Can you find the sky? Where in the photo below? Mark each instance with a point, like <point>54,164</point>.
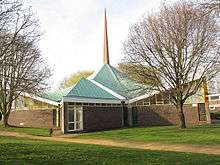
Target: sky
<point>73,31</point>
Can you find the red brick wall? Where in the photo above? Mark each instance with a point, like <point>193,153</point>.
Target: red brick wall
<point>165,115</point>
<point>101,118</point>
<point>32,118</point>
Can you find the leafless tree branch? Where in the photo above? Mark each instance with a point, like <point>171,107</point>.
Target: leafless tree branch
<point>178,45</point>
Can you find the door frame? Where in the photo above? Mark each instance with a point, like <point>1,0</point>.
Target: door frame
<point>202,112</point>
<point>75,109</point>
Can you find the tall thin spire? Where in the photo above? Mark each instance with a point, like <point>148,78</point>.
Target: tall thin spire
<point>105,49</point>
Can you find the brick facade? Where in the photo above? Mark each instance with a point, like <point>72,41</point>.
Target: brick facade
<point>101,118</point>
<point>165,115</point>
<point>32,118</point>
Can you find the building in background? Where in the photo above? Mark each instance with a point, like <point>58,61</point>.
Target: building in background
<point>214,107</point>
<point>214,102</point>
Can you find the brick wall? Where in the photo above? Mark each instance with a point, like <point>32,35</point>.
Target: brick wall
<point>32,118</point>
<point>165,115</point>
<point>101,118</point>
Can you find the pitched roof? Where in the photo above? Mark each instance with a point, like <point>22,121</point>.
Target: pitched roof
<point>87,89</point>
<point>115,80</point>
<point>56,95</point>
<point>107,76</point>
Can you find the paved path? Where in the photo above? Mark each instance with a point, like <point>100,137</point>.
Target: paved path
<point>206,149</point>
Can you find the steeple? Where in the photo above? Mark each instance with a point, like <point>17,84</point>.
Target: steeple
<point>105,49</point>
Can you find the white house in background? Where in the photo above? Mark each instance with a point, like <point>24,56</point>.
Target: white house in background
<point>214,102</point>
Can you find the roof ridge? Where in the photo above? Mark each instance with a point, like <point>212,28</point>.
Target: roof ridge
<point>73,86</point>
<point>124,86</point>
<point>95,73</point>
<point>113,80</point>
<point>89,89</point>
<point>127,77</point>
<point>108,90</point>
<point>114,75</point>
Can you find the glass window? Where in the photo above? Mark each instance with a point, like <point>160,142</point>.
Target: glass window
<point>78,125</point>
<point>78,115</point>
<point>214,97</point>
<point>71,126</point>
<point>153,99</point>
<point>146,103</point>
<point>78,103</point>
<point>71,115</point>
<point>98,104</point>
<point>20,104</point>
<point>75,114</point>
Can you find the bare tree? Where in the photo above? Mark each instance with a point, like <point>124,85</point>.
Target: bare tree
<point>181,47</point>
<point>212,5</point>
<point>22,67</point>
<point>131,70</point>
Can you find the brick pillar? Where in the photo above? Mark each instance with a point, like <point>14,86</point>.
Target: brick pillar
<point>130,117</point>
<point>64,119</point>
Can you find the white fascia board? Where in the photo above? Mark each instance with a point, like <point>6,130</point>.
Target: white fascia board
<point>40,99</point>
<point>214,105</point>
<point>214,95</point>
<point>89,100</point>
<point>142,97</point>
<point>108,90</point>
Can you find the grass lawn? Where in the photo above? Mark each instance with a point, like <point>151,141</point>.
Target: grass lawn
<point>204,134</point>
<point>31,131</point>
<point>23,151</point>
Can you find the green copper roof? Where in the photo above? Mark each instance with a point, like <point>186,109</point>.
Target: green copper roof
<point>109,77</point>
<point>56,95</point>
<point>87,89</point>
<point>118,82</point>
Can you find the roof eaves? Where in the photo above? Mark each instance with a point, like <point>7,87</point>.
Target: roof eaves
<point>48,101</point>
<point>143,97</point>
<point>90,100</point>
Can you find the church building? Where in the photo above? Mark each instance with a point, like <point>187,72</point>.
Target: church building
<point>108,99</point>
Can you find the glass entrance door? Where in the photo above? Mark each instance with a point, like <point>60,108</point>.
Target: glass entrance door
<point>75,117</point>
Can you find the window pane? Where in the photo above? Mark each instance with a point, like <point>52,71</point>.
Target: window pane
<point>78,125</point>
<point>78,115</point>
<point>214,97</point>
<point>78,108</point>
<point>153,100</point>
<point>71,116</point>
<point>71,126</point>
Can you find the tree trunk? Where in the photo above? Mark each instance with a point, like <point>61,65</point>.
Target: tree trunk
<point>181,116</point>
<point>5,119</point>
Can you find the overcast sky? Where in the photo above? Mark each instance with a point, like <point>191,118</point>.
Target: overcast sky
<point>73,31</point>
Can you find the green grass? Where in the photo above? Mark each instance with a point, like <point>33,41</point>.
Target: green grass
<point>23,151</point>
<point>204,134</point>
<point>31,131</point>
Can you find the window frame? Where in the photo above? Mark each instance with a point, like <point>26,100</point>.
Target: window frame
<point>75,122</point>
